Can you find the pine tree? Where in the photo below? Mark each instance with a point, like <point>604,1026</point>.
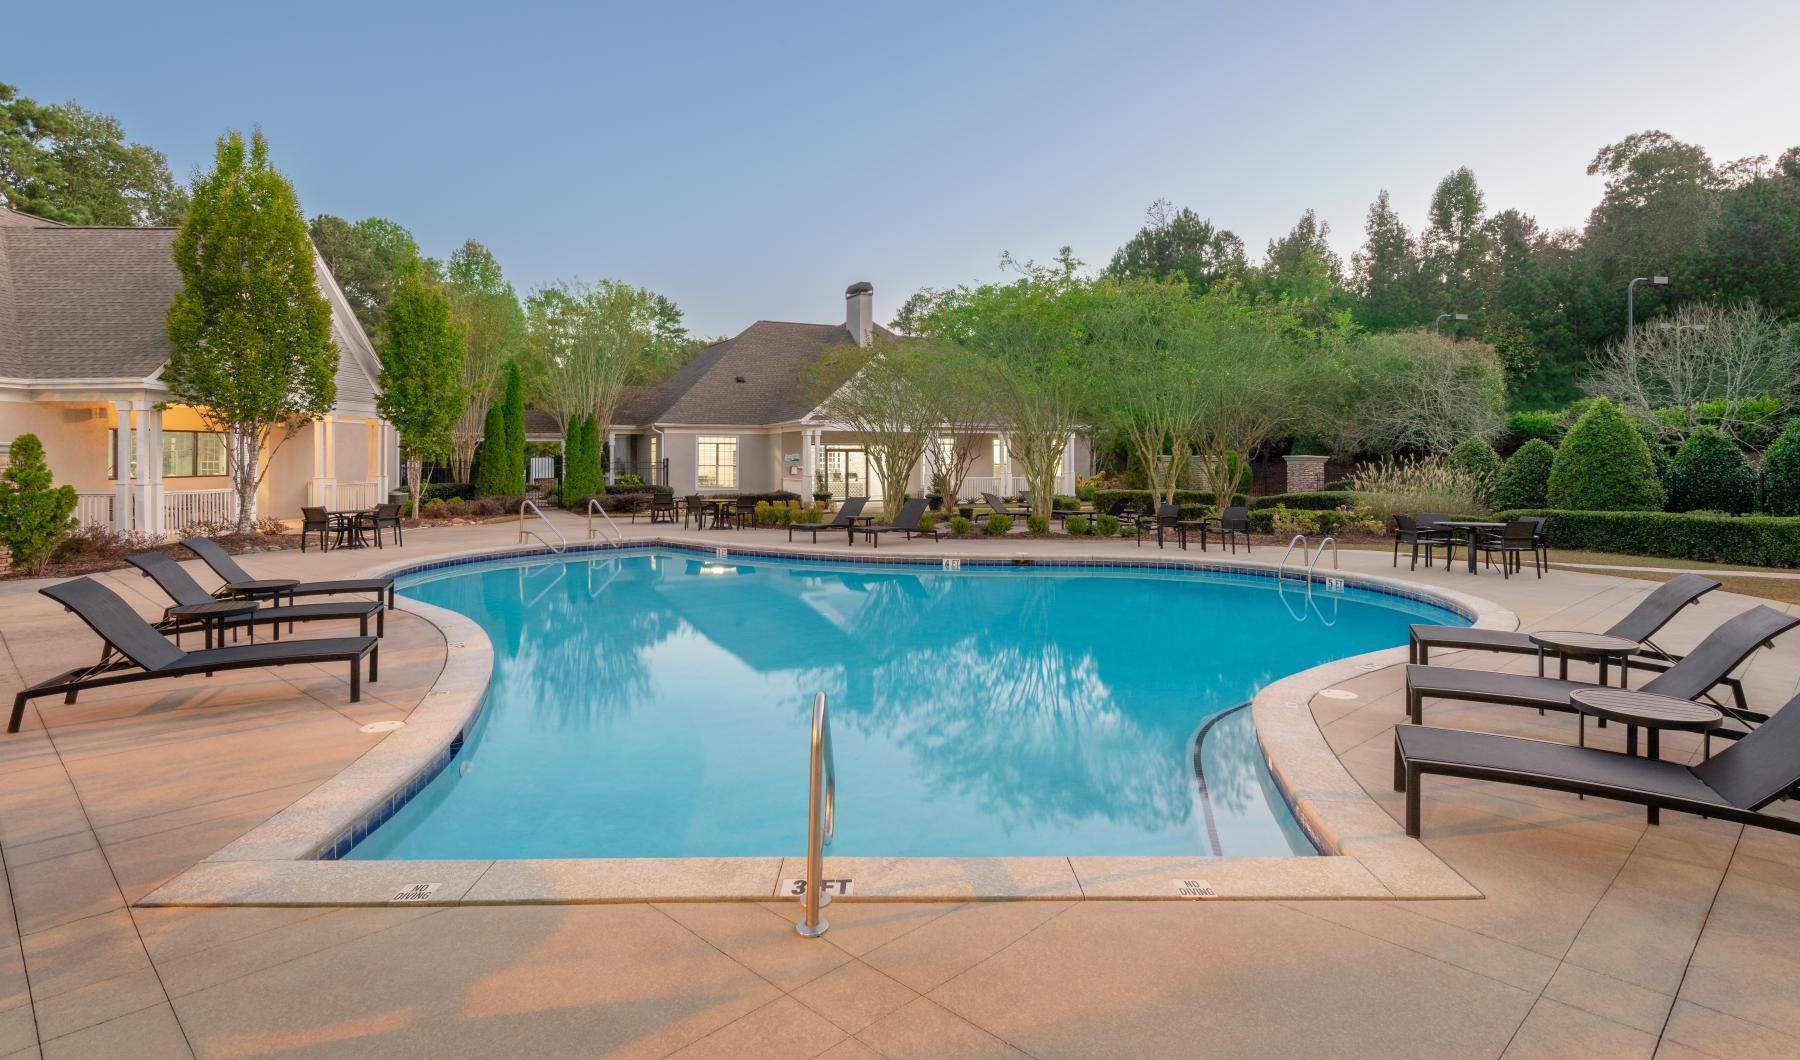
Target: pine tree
<point>34,514</point>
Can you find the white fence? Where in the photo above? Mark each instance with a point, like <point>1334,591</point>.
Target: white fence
<point>355,496</point>
<point>182,509</point>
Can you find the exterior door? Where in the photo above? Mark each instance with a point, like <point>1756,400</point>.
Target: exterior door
<point>847,474</point>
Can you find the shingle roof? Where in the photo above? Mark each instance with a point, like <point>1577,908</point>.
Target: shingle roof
<point>93,303</point>
<point>753,379</point>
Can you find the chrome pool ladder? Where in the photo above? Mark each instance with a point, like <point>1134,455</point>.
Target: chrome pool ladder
<point>1300,539</point>
<point>525,531</point>
<point>821,820</point>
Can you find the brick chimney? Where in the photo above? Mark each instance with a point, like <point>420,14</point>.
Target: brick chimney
<point>859,312</point>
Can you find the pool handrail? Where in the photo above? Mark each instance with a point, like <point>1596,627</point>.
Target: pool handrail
<point>1317,556</point>
<point>595,506</point>
<point>530,504</point>
<point>821,819</point>
<point>1281,568</point>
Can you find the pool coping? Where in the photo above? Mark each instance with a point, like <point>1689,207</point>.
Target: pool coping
<point>290,859</point>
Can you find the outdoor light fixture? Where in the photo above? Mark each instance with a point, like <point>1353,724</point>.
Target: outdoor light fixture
<point>1437,324</point>
<point>1630,308</point>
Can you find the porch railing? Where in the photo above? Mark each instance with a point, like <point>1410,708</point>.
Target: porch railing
<point>355,495</point>
<point>183,509</point>
<point>654,472</point>
<point>94,509</point>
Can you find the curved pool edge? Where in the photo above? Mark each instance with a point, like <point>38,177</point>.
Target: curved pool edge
<point>292,859</point>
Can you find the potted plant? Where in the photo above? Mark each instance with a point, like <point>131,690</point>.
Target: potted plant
<point>821,490</point>
<point>934,497</point>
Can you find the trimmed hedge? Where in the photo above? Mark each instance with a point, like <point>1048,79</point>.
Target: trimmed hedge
<point>1781,473</point>
<point>1603,465</point>
<point>1709,474</point>
<point>1104,500</point>
<point>1476,459</point>
<point>1326,501</point>
<point>1524,480</point>
<point>1756,540</point>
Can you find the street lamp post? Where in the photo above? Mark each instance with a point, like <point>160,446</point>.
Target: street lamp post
<point>1437,325</point>
<point>1631,308</point>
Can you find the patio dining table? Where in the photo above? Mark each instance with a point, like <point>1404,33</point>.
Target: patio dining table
<point>347,523</point>
<point>1473,528</point>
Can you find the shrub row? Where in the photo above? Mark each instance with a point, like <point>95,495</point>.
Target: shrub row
<point>1326,501</point>
<point>1106,500</point>
<point>1758,540</point>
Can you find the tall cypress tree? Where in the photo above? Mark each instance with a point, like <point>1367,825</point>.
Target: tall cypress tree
<point>514,414</point>
<point>491,458</point>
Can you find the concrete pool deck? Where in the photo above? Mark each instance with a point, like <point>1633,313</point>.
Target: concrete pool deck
<point>1593,935</point>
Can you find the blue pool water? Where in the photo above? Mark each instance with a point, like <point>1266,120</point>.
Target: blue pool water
<point>657,704</point>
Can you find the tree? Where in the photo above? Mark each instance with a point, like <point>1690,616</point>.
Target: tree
<point>35,515</point>
<point>1178,244</point>
<point>1709,473</point>
<point>249,333</point>
<point>588,342</point>
<point>875,391</point>
<point>582,474</point>
<point>66,163</point>
<point>960,398</point>
<point>1413,390</point>
<point>1454,245</point>
<point>421,373</point>
<point>491,476</point>
<point>1661,196</point>
<point>1781,473</point>
<point>512,416</point>
<point>1385,272</point>
<point>1524,481</point>
<point>1475,458</point>
<point>1148,350</point>
<point>1603,465</point>
<point>1708,363</point>
<point>1026,337</point>
<point>1301,266</point>
<point>493,324</point>
<point>368,259</point>
<point>1251,379</point>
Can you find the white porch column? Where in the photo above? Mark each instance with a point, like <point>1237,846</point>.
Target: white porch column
<point>809,461</point>
<point>122,465</point>
<point>152,473</point>
<point>1067,487</point>
<point>612,455</point>
<point>1004,471</point>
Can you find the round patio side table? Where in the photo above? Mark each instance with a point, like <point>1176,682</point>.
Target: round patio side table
<point>1570,642</point>
<point>1655,713</point>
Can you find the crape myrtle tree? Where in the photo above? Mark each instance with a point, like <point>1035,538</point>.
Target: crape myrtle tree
<point>1028,335</point>
<point>1253,376</point>
<point>250,335</point>
<point>587,343</point>
<point>493,326</point>
<point>1704,365</point>
<point>421,372</point>
<point>1145,343</point>
<point>960,396</point>
<point>877,392</point>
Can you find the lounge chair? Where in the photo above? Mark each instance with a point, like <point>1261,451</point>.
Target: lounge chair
<point>1707,665</point>
<point>1650,615</point>
<point>1732,785</point>
<point>844,519</point>
<point>135,651</point>
<point>184,590</point>
<point>1001,508</point>
<point>907,522</point>
<point>239,583</point>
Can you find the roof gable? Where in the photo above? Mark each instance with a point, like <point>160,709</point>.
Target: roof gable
<point>752,379</point>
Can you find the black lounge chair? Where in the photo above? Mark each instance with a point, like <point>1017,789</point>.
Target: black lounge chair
<point>135,651</point>
<point>239,583</point>
<point>1707,665</point>
<point>907,522</point>
<point>1733,785</point>
<point>1650,615</point>
<point>184,590</point>
<point>844,519</point>
<point>1001,508</point>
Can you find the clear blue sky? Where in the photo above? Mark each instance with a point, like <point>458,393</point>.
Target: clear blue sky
<point>749,160</point>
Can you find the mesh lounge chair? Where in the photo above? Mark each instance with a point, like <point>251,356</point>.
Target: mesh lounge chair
<point>1732,785</point>
<point>184,590</point>
<point>135,651</point>
<point>907,522</point>
<point>1651,614</point>
<point>844,519</point>
<point>1707,665</point>
<point>239,583</point>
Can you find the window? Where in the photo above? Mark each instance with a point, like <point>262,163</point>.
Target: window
<point>185,454</point>
<point>717,462</point>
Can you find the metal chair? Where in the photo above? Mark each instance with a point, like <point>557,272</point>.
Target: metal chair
<point>1407,531</point>
<point>316,521</point>
<point>1234,523</point>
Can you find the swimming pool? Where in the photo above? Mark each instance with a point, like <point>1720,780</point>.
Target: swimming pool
<point>656,703</point>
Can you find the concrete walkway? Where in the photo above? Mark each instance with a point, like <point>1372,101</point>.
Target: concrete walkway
<point>1598,936</point>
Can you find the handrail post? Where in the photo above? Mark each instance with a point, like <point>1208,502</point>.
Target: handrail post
<point>528,504</point>
<point>821,813</point>
<point>595,506</point>
<point>1298,539</point>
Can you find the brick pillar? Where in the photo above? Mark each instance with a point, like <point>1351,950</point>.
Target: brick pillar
<point>1305,474</point>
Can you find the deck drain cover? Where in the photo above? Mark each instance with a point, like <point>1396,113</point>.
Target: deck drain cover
<point>1369,667</point>
<point>383,726</point>
<point>1338,693</point>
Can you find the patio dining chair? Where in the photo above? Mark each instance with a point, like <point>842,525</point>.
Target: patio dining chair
<point>381,517</point>
<point>662,508</point>
<point>693,505</point>
<point>1234,525</point>
<point>316,521</point>
<point>1407,531</point>
<point>1511,544</point>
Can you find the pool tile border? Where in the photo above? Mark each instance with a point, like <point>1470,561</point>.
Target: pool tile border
<point>1368,855</point>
